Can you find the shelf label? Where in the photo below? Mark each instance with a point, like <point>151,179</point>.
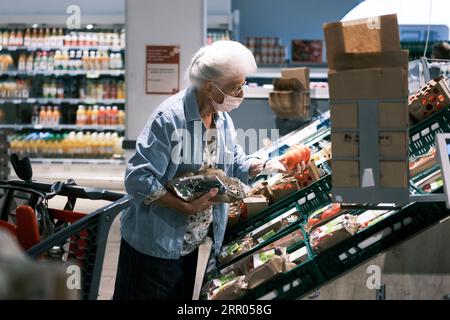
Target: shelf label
<point>38,126</point>
<point>2,101</point>
<point>12,48</point>
<point>92,74</point>
<point>17,101</point>
<point>31,100</point>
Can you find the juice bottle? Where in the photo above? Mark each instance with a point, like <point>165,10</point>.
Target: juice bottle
<point>56,116</point>
<point>49,117</point>
<point>22,65</point>
<point>89,116</point>
<point>115,116</point>
<point>94,116</point>
<point>102,116</point>
<point>19,38</point>
<point>51,61</point>
<point>35,115</point>
<point>27,38</point>
<point>108,116</point>
<point>121,117</point>
<point>81,116</point>
<point>30,62</point>
<point>42,116</point>
<point>12,38</point>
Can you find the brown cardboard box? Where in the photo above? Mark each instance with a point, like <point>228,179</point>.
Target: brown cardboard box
<point>345,174</point>
<point>390,144</point>
<point>301,74</point>
<point>346,61</point>
<point>255,204</point>
<point>393,144</point>
<point>265,272</point>
<point>393,115</point>
<point>344,116</point>
<point>373,83</point>
<point>393,174</point>
<point>370,35</point>
<point>390,115</point>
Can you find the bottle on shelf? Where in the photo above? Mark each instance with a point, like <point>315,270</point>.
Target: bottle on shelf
<point>33,38</point>
<point>121,118</point>
<point>51,61</point>
<point>81,115</point>
<point>102,116</point>
<point>60,90</point>
<point>42,115</point>
<point>37,61</point>
<point>5,38</point>
<point>27,38</point>
<point>19,38</point>
<point>89,116</point>
<point>12,38</point>
<point>48,116</point>
<point>43,62</point>
<point>22,64</point>
<point>108,116</point>
<point>115,116</point>
<point>56,116</point>
<point>94,116</point>
<point>35,115</point>
<point>30,62</point>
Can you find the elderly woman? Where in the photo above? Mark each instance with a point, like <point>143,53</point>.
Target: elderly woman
<point>161,233</point>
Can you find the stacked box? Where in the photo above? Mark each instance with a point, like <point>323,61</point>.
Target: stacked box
<point>368,88</point>
<point>267,50</point>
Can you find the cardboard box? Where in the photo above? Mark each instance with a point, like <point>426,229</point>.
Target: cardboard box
<point>301,74</point>
<point>265,272</point>
<point>255,204</point>
<point>373,83</point>
<point>344,116</point>
<point>369,35</point>
<point>345,174</point>
<point>388,59</point>
<point>390,144</point>
<point>393,115</point>
<point>390,115</point>
<point>280,190</point>
<point>394,174</point>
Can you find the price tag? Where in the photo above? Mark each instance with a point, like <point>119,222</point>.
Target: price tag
<point>38,126</point>
<point>31,100</point>
<point>12,48</point>
<point>2,101</point>
<point>17,101</point>
<point>92,74</point>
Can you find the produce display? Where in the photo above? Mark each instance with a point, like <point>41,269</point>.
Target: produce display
<point>263,266</point>
<point>323,215</point>
<point>333,232</point>
<point>423,162</point>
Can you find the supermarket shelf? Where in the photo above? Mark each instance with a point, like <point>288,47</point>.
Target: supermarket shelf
<point>77,161</point>
<point>88,73</point>
<point>59,101</point>
<point>19,127</point>
<point>32,49</point>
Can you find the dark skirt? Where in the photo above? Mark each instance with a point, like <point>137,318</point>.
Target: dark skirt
<point>143,277</point>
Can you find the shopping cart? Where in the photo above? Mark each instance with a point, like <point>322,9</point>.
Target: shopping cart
<point>75,239</point>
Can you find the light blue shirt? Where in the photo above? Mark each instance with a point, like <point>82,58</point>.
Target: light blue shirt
<point>163,152</point>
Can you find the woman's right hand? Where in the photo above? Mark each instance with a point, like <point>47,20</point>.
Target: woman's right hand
<point>201,203</point>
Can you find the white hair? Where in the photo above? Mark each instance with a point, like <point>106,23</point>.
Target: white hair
<point>221,61</point>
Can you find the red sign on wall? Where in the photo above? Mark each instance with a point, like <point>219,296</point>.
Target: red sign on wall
<point>162,69</point>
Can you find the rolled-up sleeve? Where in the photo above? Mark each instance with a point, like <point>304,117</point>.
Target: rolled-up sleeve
<point>149,164</point>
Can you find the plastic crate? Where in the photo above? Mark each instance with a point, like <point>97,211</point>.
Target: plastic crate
<point>318,190</point>
<point>391,231</point>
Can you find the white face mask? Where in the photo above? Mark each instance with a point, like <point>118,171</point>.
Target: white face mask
<point>229,102</point>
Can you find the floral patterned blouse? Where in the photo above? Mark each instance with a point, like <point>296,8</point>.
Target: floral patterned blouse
<point>198,224</point>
